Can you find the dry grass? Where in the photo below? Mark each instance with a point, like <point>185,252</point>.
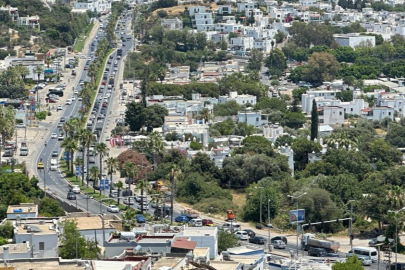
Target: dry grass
<point>238,198</point>
<point>380,131</point>
<point>178,10</point>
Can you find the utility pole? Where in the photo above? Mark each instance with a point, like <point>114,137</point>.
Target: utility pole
<point>396,234</point>
<point>296,198</point>
<point>268,225</point>
<point>44,183</point>
<point>260,217</point>
<point>351,223</point>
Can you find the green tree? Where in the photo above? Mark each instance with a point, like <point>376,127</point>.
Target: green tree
<point>255,145</point>
<point>255,60</point>
<point>352,263</point>
<point>271,103</point>
<point>119,186</point>
<point>251,209</point>
<point>302,147</point>
<point>314,121</point>
<point>112,167</point>
<point>226,240</point>
<point>279,37</point>
<point>276,62</point>
<point>396,135</point>
<point>71,238</point>
<point>142,185</point>
<point>50,208</point>
<point>321,67</point>
<point>102,151</point>
<point>94,175</point>
<point>223,128</point>
<point>294,119</point>
<point>196,146</point>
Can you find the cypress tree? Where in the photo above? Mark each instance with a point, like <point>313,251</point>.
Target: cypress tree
<point>314,121</point>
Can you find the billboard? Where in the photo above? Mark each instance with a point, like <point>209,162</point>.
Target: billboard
<point>297,216</point>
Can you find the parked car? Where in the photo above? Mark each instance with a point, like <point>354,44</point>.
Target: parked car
<point>207,222</point>
<point>250,232</point>
<point>181,218</point>
<point>92,160</point>
<point>76,189</point>
<point>317,252</point>
<point>20,125</point>
<point>282,238</point>
<point>242,235</point>
<point>59,108</point>
<point>260,240</point>
<point>144,207</point>
<point>113,209</point>
<point>278,244</point>
<point>140,219</point>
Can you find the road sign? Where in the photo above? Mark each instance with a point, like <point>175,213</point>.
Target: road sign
<point>104,184</point>
<point>65,155</point>
<point>297,216</point>
<point>78,170</point>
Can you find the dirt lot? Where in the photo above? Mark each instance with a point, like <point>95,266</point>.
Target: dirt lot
<point>175,11</point>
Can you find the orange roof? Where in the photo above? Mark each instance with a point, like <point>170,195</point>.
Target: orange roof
<point>184,244</point>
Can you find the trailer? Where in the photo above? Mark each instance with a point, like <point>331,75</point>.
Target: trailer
<point>308,241</point>
<point>190,214</point>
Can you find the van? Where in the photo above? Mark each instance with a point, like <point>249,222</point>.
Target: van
<point>54,165</point>
<point>231,226</point>
<point>363,252</point>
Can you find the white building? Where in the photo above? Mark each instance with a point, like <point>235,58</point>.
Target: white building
<point>31,22</point>
<point>102,6</point>
<point>241,43</point>
<point>354,40</point>
<point>272,131</point>
<point>378,113</point>
<point>13,12</point>
<point>255,118</point>
<point>172,24</point>
<point>240,99</point>
<point>22,211</point>
<point>42,234</point>
<point>206,237</point>
<point>15,251</point>
<point>331,115</point>
<point>246,5</point>
<point>203,22</point>
<point>318,95</point>
<point>392,100</point>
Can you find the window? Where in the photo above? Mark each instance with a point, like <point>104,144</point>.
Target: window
<point>340,113</point>
<point>389,113</point>
<point>257,119</point>
<point>351,109</point>
<point>41,245</point>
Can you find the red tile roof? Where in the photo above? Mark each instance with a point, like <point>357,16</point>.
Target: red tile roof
<point>184,244</point>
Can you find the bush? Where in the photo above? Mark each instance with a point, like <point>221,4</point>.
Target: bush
<point>195,146</point>
<point>214,205</point>
<point>41,115</point>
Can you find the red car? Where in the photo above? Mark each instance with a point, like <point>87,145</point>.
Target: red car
<point>207,222</point>
<point>85,68</point>
<point>103,82</point>
<point>50,100</point>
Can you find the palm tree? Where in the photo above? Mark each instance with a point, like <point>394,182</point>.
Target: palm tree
<point>95,174</point>
<point>119,185</point>
<point>102,151</point>
<point>84,136</point>
<point>48,61</point>
<point>128,217</point>
<point>38,70</point>
<point>156,145</point>
<point>130,170</point>
<point>112,166</point>
<point>142,185</point>
<point>174,175</point>
<point>92,72</point>
<point>205,115</point>
<point>342,139</point>
<point>89,139</point>
<point>69,143</point>
<point>396,197</point>
<point>70,127</point>
<point>22,71</point>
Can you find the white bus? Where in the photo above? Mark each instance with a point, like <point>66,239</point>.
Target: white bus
<point>364,252</point>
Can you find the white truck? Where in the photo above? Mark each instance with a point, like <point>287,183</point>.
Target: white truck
<point>54,165</point>
<point>23,149</point>
<point>308,240</point>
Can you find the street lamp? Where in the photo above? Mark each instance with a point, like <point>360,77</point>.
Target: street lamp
<point>351,223</point>
<point>396,233</point>
<point>296,198</point>
<point>268,226</point>
<point>260,217</point>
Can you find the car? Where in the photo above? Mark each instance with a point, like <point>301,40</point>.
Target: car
<point>242,235</point>
<point>129,181</point>
<point>250,232</point>
<point>71,195</point>
<point>181,218</point>
<point>128,201</point>
<point>40,165</point>
<point>61,137</point>
<point>207,222</point>
<point>113,209</point>
<point>59,108</point>
<point>73,98</point>
<point>62,119</point>
<point>103,83</point>
<point>140,219</point>
<point>60,125</point>
<point>260,240</point>
<point>79,99</point>
<point>20,125</point>
<point>92,160</point>
<point>278,244</point>
<point>282,238</point>
<point>86,68</point>
<point>51,100</point>
<point>143,206</point>
<point>317,252</point>
<point>368,262</point>
<point>68,102</point>
<point>55,153</point>
<point>54,136</point>
<point>76,189</point>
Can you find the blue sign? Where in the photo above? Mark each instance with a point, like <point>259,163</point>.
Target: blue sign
<point>65,155</point>
<point>48,71</point>
<point>104,184</point>
<point>297,216</point>
<point>78,170</point>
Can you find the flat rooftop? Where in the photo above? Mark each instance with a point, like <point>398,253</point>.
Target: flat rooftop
<point>36,228</point>
<point>218,265</point>
<point>44,265</point>
<point>16,248</point>
<point>91,223</point>
<point>200,231</point>
<point>167,262</point>
<point>200,251</point>
<point>22,209</point>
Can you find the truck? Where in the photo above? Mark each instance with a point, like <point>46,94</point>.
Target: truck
<point>308,241</point>
<point>190,214</point>
<point>23,149</point>
<point>111,79</point>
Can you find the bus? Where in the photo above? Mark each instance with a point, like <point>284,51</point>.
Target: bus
<point>364,252</point>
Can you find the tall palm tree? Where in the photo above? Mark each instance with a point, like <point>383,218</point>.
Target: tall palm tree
<point>89,141</point>
<point>205,115</point>
<point>48,61</point>
<point>84,136</point>
<point>120,184</point>
<point>38,70</point>
<point>112,166</point>
<point>102,151</point>
<point>70,145</point>
<point>156,145</point>
<point>70,127</point>
<point>142,185</point>
<point>130,170</point>
<point>396,197</point>
<point>22,71</point>
<point>95,174</point>
<point>174,175</point>
<point>92,72</point>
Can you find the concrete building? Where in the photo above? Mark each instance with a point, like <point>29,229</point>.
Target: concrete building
<point>255,118</point>
<point>378,113</point>
<point>206,237</point>
<point>354,40</point>
<point>318,95</point>
<point>331,115</point>
<point>22,211</point>
<point>12,11</point>
<point>102,6</point>
<point>240,99</point>
<point>289,153</point>
<point>15,251</point>
<point>172,24</point>
<point>272,131</point>
<point>42,234</point>
<point>31,22</point>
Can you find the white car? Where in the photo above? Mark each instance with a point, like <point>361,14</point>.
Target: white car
<point>76,189</point>
<point>20,125</point>
<point>128,201</point>
<point>76,92</point>
<point>108,95</point>
<point>242,235</point>
<point>79,99</point>
<point>145,206</point>
<point>113,209</point>
<point>73,98</point>
<point>59,108</point>
<point>68,102</point>
<point>54,136</point>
